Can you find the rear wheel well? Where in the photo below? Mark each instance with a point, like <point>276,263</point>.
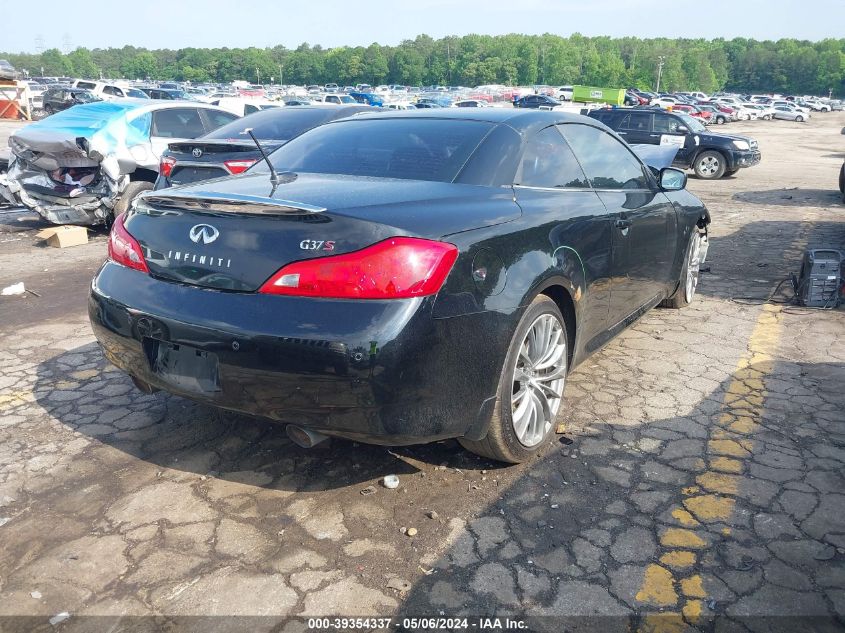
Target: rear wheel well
<point>145,175</point>
<point>561,297</point>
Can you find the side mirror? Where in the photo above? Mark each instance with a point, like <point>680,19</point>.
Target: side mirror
<point>672,179</point>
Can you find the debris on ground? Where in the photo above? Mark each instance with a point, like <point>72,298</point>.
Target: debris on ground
<point>390,481</point>
<point>36,595</point>
<point>64,236</point>
<point>369,490</point>
<point>4,520</point>
<point>432,514</point>
<point>14,289</point>
<point>411,531</point>
<point>59,617</point>
<point>399,584</point>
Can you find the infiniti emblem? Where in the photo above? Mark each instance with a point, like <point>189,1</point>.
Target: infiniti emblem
<point>197,152</point>
<point>204,232</point>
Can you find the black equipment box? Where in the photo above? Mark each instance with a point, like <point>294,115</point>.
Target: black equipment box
<point>820,279</point>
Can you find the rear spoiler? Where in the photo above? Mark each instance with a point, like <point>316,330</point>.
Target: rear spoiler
<point>210,201</point>
<point>657,156</point>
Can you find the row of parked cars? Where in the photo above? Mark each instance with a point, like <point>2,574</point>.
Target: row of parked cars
<point>85,164</point>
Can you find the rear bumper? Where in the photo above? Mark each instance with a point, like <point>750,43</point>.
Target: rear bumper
<point>379,371</point>
<point>56,210</point>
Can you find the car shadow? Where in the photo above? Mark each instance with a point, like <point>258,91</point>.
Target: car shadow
<point>182,435</point>
<point>748,264</point>
<point>578,541</point>
<point>794,197</point>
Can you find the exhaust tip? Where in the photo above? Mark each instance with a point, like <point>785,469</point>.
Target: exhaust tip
<point>304,438</point>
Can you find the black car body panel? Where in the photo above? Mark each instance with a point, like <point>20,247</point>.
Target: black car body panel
<point>536,102</point>
<point>392,371</point>
<point>656,126</point>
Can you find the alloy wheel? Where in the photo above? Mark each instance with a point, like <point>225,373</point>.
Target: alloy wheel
<point>538,380</point>
<point>692,267</point>
<point>709,165</point>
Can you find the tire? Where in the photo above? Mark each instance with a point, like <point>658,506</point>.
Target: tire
<point>799,119</point>
<point>132,191</point>
<point>709,165</point>
<point>688,282</point>
<point>767,117</point>
<point>540,337</point>
<point>720,120</point>
<point>842,180</point>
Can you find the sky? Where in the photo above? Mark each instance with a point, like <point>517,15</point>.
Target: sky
<point>331,23</point>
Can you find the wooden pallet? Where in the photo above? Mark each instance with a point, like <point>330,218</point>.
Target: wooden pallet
<point>11,108</point>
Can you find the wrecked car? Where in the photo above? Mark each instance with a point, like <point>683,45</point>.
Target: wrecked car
<point>86,164</point>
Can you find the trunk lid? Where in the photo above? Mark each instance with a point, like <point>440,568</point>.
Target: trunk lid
<point>232,235</point>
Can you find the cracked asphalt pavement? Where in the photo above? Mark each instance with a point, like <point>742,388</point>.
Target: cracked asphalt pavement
<point>699,483</point>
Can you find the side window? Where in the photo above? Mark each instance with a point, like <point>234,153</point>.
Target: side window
<point>111,90</point>
<point>216,119</point>
<point>638,122</point>
<point>141,125</point>
<point>249,109</point>
<point>548,162</point>
<point>177,123</point>
<point>609,164</point>
<point>666,124</point>
<point>86,85</point>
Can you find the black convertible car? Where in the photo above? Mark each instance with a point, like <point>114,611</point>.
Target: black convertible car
<point>401,277</point>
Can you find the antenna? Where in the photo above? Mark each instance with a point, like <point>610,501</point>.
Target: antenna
<point>274,177</point>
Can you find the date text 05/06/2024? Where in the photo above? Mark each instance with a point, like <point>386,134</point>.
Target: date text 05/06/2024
<point>415,624</point>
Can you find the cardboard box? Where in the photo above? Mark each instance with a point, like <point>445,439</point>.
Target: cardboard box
<point>64,236</point>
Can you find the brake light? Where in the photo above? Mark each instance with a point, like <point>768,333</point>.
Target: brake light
<point>123,248</point>
<point>239,166</point>
<point>397,268</point>
<point>165,167</point>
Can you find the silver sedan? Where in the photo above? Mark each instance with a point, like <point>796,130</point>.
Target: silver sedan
<point>787,114</point>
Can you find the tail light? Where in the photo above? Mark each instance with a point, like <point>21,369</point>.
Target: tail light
<point>239,166</point>
<point>165,167</point>
<point>123,248</point>
<point>397,268</point>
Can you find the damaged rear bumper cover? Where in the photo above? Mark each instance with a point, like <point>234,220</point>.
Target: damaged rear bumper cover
<point>92,206</point>
<point>55,209</point>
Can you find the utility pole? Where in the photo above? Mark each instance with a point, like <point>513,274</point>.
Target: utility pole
<point>258,74</point>
<point>660,61</point>
<point>281,75</point>
<point>449,61</point>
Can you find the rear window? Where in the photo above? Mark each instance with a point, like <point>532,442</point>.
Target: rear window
<point>405,148</point>
<point>274,124</point>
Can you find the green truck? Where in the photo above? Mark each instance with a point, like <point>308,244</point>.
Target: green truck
<point>591,94</point>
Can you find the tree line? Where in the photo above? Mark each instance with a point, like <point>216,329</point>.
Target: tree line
<point>785,66</point>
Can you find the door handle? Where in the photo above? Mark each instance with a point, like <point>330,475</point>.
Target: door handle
<point>621,223</point>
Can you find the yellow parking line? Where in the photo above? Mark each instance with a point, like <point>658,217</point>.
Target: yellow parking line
<point>713,499</point>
